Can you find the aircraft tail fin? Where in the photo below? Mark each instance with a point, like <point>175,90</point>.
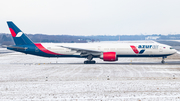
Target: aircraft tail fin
<point>19,37</point>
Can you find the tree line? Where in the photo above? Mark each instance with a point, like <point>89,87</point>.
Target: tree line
<point>6,39</point>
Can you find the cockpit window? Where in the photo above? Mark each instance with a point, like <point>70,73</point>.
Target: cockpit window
<point>171,48</point>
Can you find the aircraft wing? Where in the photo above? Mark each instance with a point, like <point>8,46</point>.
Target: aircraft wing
<point>84,52</point>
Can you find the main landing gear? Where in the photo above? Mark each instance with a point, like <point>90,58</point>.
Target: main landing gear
<point>163,59</point>
<point>89,61</point>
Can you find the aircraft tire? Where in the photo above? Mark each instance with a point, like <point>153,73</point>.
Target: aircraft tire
<point>162,61</point>
<point>89,62</point>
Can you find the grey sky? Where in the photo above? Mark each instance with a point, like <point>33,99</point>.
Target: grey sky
<point>92,17</point>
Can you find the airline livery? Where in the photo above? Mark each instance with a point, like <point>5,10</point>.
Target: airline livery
<point>105,51</point>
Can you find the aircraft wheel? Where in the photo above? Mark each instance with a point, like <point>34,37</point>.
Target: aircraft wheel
<point>85,62</point>
<point>162,61</point>
<point>89,62</point>
<point>93,62</point>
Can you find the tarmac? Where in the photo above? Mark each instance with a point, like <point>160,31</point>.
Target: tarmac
<point>28,77</point>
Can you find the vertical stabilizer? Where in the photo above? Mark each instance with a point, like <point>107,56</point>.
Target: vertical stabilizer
<point>19,37</point>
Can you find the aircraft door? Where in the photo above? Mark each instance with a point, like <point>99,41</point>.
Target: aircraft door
<point>160,49</point>
<point>99,48</point>
<point>36,49</point>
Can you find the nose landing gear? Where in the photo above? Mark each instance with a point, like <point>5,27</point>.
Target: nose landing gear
<point>89,61</point>
<point>163,59</point>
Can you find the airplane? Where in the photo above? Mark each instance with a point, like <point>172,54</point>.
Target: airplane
<point>105,51</point>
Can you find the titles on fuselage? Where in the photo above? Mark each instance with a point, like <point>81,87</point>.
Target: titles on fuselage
<point>148,46</point>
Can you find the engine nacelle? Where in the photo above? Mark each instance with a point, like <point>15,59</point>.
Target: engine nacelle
<point>109,56</point>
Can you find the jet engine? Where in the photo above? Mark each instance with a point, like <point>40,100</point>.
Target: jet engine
<point>109,56</point>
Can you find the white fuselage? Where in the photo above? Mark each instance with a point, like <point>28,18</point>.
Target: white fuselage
<point>120,48</point>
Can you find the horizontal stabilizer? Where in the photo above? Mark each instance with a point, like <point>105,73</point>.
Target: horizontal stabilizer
<point>16,48</point>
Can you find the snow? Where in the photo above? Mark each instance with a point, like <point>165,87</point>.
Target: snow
<point>4,50</point>
<point>27,77</point>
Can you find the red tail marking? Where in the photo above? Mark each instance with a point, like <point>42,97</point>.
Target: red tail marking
<point>12,32</point>
<point>134,49</point>
<point>45,50</point>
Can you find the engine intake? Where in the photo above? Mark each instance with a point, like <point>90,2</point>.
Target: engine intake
<point>109,56</point>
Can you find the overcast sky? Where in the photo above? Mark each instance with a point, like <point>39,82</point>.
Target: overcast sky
<point>92,17</point>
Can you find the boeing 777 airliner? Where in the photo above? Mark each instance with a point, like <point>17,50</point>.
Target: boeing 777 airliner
<point>106,51</point>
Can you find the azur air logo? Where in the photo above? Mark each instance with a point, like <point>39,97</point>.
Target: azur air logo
<point>148,46</point>
<point>136,50</point>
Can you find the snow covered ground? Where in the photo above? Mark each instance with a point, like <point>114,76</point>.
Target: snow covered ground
<point>27,77</point>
